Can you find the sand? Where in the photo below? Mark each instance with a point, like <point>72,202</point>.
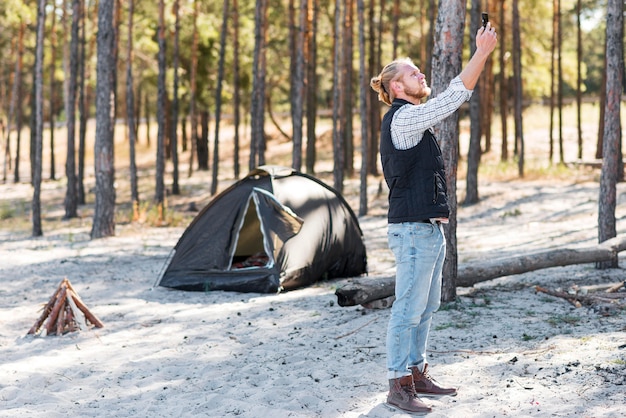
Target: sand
<point>165,353</point>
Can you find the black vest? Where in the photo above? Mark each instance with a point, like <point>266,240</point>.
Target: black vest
<point>416,176</point>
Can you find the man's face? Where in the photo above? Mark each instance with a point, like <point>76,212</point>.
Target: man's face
<point>414,83</point>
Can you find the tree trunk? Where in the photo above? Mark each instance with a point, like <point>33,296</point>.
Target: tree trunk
<point>430,38</point>
<point>193,118</point>
<point>612,126</point>
<point>555,28</point>
<point>395,31</point>
<point>296,77</point>
<point>373,102</point>
<point>504,82</point>
<point>14,101</point>
<point>6,164</point>
<point>236,92</point>
<point>347,92</point>
<point>183,131</point>
<point>602,108</point>
<point>473,154</point>
<point>311,85</point>
<point>130,112</point>
<point>38,106</point>
<point>257,111</point>
<point>65,59</point>
<point>579,94</point>
<point>161,97</point>
<point>218,98</point>
<point>51,98</point>
<point>18,113</point>
<point>175,105</point>
<point>487,94</point>
<point>518,93</point>
<point>203,142</point>
<point>117,21</point>
<point>104,214</point>
<point>82,108</point>
<point>33,120</point>
<point>338,162</point>
<point>146,107</point>
<point>560,82</point>
<point>447,57</point>
<point>71,194</point>
<point>299,84</point>
<point>363,91</point>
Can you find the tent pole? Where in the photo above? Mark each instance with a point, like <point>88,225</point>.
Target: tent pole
<point>162,272</point>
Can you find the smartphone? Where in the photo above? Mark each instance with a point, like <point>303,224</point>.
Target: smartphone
<point>485,19</point>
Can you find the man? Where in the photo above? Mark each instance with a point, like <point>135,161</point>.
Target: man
<point>418,206</point>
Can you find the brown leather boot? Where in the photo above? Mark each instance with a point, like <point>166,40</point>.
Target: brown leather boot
<point>402,396</point>
<point>426,386</point>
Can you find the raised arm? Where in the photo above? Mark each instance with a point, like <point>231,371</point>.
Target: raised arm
<point>486,40</point>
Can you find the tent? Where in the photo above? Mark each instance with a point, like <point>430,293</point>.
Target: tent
<point>275,229</point>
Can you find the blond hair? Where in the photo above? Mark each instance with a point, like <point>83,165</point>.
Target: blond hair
<point>381,84</point>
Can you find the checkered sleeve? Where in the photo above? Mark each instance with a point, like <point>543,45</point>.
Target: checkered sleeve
<point>410,121</point>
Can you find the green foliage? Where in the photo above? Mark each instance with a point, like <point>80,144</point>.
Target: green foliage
<point>6,212</point>
<point>514,212</point>
<point>536,27</point>
<point>560,320</point>
<point>15,12</point>
<point>14,215</point>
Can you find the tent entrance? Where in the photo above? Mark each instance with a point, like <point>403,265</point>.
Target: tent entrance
<point>250,249</point>
<point>265,226</point>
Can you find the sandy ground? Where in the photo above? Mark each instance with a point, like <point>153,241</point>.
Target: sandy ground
<point>167,353</point>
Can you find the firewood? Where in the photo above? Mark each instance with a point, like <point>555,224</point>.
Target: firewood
<point>46,310</point>
<point>79,316</point>
<point>71,321</point>
<point>64,312</point>
<point>58,305</point>
<point>83,308</point>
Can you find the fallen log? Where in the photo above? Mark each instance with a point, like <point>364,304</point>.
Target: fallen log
<point>364,290</point>
<point>470,274</point>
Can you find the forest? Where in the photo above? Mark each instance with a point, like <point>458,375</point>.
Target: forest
<point>120,120</point>
<point>212,85</point>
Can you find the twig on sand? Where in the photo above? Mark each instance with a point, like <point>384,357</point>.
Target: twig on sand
<point>579,300</point>
<point>356,330</point>
<point>480,352</point>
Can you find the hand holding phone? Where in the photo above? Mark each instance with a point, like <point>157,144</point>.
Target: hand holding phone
<point>485,19</point>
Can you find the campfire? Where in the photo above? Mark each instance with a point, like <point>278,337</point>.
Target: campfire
<point>65,312</point>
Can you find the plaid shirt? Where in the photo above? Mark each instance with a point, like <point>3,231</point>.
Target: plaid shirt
<point>410,121</point>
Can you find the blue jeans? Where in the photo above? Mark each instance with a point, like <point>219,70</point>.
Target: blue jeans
<point>420,250</point>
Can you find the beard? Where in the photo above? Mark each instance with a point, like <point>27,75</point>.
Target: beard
<point>418,93</point>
